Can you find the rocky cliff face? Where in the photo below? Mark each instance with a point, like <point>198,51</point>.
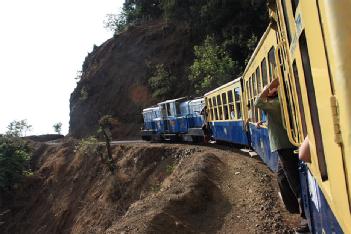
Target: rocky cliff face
<point>115,76</point>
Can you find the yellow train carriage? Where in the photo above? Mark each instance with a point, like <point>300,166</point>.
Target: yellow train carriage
<point>314,54</point>
<point>225,115</point>
<point>258,73</point>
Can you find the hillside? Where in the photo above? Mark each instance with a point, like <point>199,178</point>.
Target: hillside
<point>158,188</point>
<point>115,76</point>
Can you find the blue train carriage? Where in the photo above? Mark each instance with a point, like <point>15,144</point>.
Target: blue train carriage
<point>225,113</point>
<point>149,128</point>
<point>171,123</point>
<point>315,82</point>
<point>192,109</point>
<point>258,73</point>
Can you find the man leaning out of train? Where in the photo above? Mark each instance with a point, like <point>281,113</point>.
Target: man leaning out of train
<point>268,101</point>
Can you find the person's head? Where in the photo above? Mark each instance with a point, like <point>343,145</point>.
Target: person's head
<point>272,93</point>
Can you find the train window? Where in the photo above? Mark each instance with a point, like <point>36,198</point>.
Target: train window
<point>216,113</point>
<point>231,105</point>
<point>177,108</point>
<point>313,106</point>
<point>163,110</point>
<point>225,106</point>
<point>211,114</point>
<point>220,109</point>
<point>224,98</point>
<point>230,96</point>
<point>299,95</point>
<point>258,78</point>
<point>254,86</point>
<point>286,20</point>
<point>226,115</point>
<point>238,102</point>
<point>219,101</point>
<point>251,93</point>
<point>169,109</point>
<point>264,72</point>
<point>210,107</point>
<point>220,113</point>
<point>294,4</point>
<point>253,112</point>
<point>215,116</point>
<point>271,63</point>
<point>248,90</point>
<point>231,111</point>
<point>209,103</point>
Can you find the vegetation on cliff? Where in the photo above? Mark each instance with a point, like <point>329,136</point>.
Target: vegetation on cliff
<point>14,161</point>
<point>224,35</point>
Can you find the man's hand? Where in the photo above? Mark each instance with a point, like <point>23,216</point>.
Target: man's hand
<point>274,83</point>
<point>259,124</point>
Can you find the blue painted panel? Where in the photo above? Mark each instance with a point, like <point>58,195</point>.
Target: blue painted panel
<point>178,125</point>
<point>318,213</point>
<point>195,121</point>
<point>161,126</point>
<point>150,125</point>
<point>229,131</point>
<point>198,121</point>
<point>260,143</point>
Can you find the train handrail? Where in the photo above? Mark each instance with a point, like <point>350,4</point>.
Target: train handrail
<point>285,114</point>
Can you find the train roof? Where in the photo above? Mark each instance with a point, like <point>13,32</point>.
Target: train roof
<point>173,100</point>
<point>197,99</point>
<point>150,108</point>
<point>223,86</point>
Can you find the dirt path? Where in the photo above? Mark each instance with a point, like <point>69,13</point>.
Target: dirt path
<point>158,188</point>
<point>251,189</point>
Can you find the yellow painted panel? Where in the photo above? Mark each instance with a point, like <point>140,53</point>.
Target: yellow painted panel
<point>334,188</point>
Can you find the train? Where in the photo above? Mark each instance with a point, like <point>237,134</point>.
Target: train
<point>307,47</point>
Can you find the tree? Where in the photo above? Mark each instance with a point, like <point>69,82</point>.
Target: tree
<point>212,66</point>
<point>162,82</point>
<point>57,127</point>
<point>18,128</point>
<point>14,161</point>
<point>106,123</point>
<point>115,23</point>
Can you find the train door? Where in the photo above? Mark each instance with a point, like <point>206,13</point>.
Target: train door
<point>164,116</point>
<point>310,100</point>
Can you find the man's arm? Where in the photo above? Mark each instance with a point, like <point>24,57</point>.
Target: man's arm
<point>261,100</point>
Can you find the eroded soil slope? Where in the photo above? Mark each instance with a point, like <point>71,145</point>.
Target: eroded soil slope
<point>158,188</point>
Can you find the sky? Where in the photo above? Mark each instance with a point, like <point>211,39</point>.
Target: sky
<point>43,44</point>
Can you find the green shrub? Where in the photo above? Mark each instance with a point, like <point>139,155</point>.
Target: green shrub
<point>170,168</point>
<point>88,146</point>
<point>57,127</point>
<point>14,161</point>
<point>212,66</point>
<point>162,82</point>
<point>83,94</point>
<point>18,128</point>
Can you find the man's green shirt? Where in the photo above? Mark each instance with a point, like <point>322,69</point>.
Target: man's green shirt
<point>278,137</point>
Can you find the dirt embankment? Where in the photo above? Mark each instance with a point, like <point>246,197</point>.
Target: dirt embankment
<point>158,188</point>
